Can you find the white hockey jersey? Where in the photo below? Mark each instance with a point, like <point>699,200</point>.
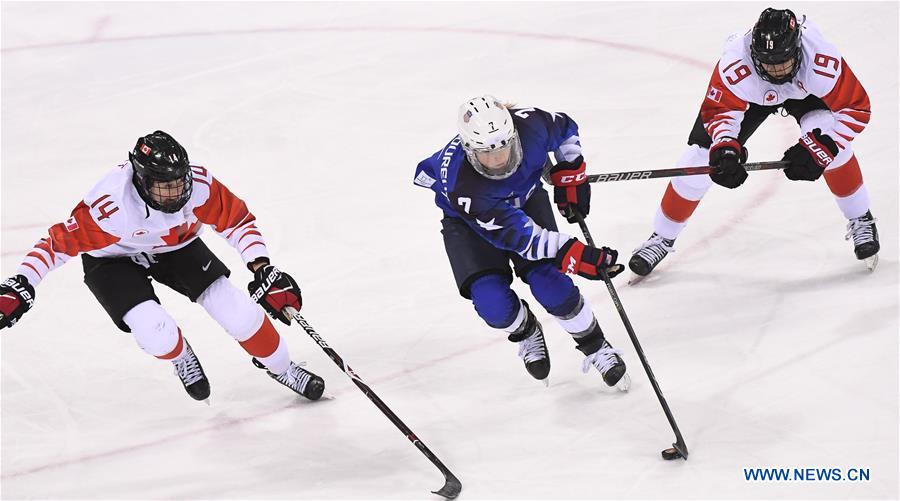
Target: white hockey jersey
<point>823,73</point>
<point>112,220</point>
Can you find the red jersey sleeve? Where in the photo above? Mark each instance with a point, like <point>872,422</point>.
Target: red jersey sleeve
<point>80,233</point>
<point>722,111</point>
<point>230,218</point>
<point>849,103</point>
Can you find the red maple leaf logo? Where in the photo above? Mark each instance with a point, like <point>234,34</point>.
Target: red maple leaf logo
<point>179,234</point>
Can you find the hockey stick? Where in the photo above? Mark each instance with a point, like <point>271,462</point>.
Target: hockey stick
<point>679,448</point>
<point>676,172</point>
<point>452,485</point>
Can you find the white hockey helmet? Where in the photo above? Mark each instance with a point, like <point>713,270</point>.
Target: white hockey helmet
<point>489,137</point>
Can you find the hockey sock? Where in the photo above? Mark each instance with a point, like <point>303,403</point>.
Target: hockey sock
<point>675,207</point>
<point>682,195</point>
<point>846,183</point>
<point>279,361</point>
<point>268,347</point>
<point>518,321</point>
<point>582,325</point>
<point>245,321</point>
<point>176,352</point>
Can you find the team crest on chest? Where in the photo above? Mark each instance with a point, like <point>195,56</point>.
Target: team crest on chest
<point>771,97</point>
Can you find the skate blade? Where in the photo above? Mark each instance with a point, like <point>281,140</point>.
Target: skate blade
<point>635,279</point>
<point>546,382</point>
<point>206,401</point>
<point>624,384</point>
<point>871,262</point>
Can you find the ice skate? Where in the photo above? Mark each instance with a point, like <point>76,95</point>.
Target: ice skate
<point>648,255</point>
<point>609,362</point>
<point>298,379</point>
<point>533,347</point>
<point>190,372</point>
<point>865,239</point>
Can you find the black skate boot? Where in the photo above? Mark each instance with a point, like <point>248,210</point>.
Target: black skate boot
<point>599,353</point>
<point>532,347</point>
<point>298,379</point>
<point>190,372</point>
<point>865,238</point>
<point>649,254</point>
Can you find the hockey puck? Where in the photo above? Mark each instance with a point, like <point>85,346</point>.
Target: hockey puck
<point>670,454</point>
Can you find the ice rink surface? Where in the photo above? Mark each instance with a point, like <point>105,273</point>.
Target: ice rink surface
<point>773,345</point>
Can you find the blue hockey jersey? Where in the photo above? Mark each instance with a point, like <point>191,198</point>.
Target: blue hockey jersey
<point>492,208</point>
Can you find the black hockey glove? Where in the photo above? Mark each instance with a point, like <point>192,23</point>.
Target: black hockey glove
<point>726,157</point>
<point>275,290</point>
<point>810,156</point>
<point>578,259</point>
<point>570,188</point>
<point>16,297</point>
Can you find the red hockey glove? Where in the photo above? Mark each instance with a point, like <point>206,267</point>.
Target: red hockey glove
<point>275,290</point>
<point>810,156</point>
<point>576,258</point>
<point>16,297</point>
<point>570,188</point>
<point>726,157</point>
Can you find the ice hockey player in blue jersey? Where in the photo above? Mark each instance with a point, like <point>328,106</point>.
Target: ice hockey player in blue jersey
<point>487,181</point>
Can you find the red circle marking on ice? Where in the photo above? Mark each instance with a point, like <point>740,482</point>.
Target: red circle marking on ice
<point>94,40</point>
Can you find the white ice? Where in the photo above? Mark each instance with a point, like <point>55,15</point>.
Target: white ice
<point>773,345</point>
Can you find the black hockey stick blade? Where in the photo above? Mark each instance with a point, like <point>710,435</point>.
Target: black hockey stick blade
<point>452,486</point>
<point>678,450</point>
<point>674,172</point>
<point>681,447</point>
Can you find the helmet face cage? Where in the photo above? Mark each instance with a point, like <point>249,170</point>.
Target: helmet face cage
<point>501,172</point>
<point>166,196</point>
<point>162,174</point>
<point>775,42</point>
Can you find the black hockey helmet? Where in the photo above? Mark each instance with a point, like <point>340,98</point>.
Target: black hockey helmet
<point>775,43</point>
<point>162,174</point>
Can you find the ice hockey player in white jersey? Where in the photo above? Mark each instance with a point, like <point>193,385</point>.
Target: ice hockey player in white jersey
<point>142,221</point>
<point>782,63</point>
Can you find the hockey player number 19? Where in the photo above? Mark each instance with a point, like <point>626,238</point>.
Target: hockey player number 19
<point>823,61</point>
<point>740,73</point>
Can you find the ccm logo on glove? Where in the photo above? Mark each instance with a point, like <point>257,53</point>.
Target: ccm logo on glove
<point>571,179</point>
